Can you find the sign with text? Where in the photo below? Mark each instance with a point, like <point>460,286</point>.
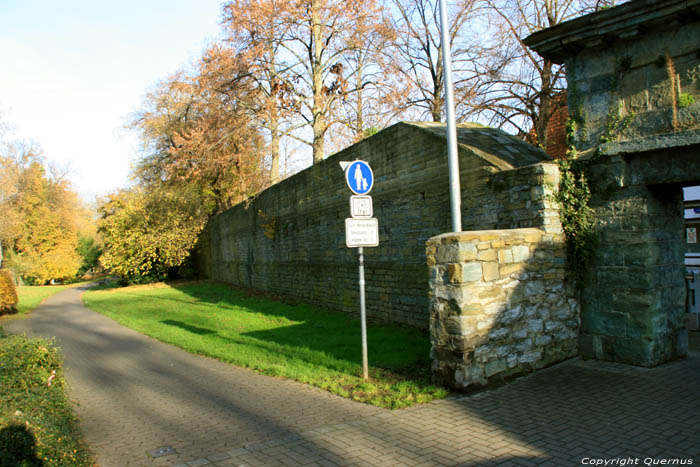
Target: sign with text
<point>361,206</point>
<point>361,232</point>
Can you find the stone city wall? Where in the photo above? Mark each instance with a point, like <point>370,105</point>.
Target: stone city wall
<point>290,238</point>
<point>500,304</point>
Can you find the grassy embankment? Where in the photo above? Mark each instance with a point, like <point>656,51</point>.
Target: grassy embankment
<point>37,424</point>
<point>299,342</point>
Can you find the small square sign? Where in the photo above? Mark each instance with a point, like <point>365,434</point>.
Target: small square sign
<point>361,206</point>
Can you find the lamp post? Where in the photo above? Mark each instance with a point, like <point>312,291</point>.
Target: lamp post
<point>452,150</point>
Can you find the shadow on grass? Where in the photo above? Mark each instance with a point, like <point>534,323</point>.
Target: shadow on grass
<point>18,447</point>
<point>302,328</point>
<point>188,327</point>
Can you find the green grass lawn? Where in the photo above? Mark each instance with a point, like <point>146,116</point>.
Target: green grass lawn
<point>292,341</point>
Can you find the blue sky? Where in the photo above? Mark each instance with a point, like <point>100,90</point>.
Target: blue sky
<point>71,71</point>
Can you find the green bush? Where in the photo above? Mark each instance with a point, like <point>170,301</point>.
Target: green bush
<point>37,424</point>
<point>8,293</point>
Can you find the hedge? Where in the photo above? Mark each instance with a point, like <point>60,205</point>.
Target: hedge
<point>8,293</point>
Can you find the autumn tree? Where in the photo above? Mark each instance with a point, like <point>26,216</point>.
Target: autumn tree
<point>249,56</point>
<point>40,235</point>
<point>149,232</point>
<point>194,135</point>
<point>305,43</point>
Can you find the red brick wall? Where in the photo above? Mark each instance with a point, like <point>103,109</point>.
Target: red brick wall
<point>556,128</point>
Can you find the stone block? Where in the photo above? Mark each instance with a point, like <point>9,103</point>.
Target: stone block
<point>506,270</point>
<point>505,256</point>
<point>495,367</point>
<point>485,324</point>
<point>469,375</point>
<point>590,346</point>
<point>456,253</point>
<point>494,309</point>
<point>521,253</point>
<point>491,271</point>
<point>497,334</point>
<point>487,255</point>
<point>512,314</point>
<point>530,357</point>
<point>471,309</point>
<point>535,325</point>
<point>633,351</point>
<point>535,287</point>
<point>606,323</point>
<point>471,272</point>
<point>454,273</point>
<point>542,340</point>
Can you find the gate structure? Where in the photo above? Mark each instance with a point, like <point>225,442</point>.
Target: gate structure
<point>633,77</point>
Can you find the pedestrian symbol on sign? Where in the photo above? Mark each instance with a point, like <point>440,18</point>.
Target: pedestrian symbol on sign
<point>359,177</point>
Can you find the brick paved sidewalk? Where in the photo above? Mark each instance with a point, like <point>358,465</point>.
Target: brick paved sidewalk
<point>574,413</point>
<point>571,414</point>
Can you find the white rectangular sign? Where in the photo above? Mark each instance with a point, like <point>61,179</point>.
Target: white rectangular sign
<point>361,232</point>
<point>361,206</point>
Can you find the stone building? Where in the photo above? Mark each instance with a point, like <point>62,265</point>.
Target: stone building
<point>633,77</point>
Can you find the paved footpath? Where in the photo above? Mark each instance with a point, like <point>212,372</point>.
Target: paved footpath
<point>137,395</point>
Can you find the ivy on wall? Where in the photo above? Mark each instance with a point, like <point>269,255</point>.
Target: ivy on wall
<point>577,217</point>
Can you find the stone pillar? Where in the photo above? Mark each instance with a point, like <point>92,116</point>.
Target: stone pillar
<point>634,296</point>
<point>500,305</point>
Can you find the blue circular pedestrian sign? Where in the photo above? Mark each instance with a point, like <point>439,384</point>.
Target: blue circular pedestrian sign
<point>359,177</point>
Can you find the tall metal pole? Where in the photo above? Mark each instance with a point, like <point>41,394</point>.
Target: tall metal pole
<point>363,319</point>
<point>452,154</point>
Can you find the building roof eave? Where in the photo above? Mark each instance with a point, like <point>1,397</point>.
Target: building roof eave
<point>599,29</point>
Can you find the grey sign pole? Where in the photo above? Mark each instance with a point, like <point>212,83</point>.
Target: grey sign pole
<point>363,314</point>
<point>452,154</point>
<point>361,230</point>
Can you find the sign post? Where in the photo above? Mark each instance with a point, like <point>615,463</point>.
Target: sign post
<point>363,317</point>
<point>361,230</point>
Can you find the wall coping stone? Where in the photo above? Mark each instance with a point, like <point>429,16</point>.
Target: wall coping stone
<point>483,235</point>
<point>682,139</point>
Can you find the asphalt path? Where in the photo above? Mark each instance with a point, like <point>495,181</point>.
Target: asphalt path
<point>136,395</point>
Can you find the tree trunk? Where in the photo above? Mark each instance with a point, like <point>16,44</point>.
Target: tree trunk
<point>318,146</point>
<point>318,114</point>
<point>545,110</point>
<point>359,121</point>
<point>275,152</point>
